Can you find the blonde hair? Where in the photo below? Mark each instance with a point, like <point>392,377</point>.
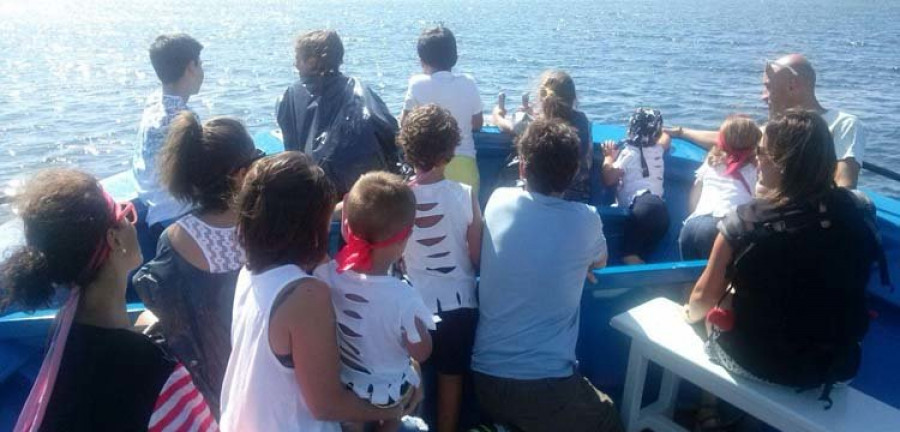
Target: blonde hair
<point>740,132</point>
<point>556,93</point>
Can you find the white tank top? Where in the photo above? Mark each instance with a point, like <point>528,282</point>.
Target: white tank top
<point>259,393</point>
<point>220,247</point>
<point>437,254</point>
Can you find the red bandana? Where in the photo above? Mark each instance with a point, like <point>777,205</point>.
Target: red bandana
<point>357,253</point>
<point>735,160</point>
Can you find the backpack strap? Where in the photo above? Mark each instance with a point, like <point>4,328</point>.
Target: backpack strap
<point>865,206</point>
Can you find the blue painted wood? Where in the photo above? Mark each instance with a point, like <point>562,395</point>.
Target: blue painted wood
<point>602,352</point>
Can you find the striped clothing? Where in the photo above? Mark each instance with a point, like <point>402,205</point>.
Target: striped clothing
<point>180,406</point>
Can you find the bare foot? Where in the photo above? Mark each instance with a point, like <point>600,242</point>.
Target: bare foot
<point>632,260</point>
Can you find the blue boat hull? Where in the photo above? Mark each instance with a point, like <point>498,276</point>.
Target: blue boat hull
<point>602,352</point>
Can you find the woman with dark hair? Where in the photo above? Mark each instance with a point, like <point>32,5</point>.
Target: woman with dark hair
<point>556,100</point>
<point>784,290</point>
<point>98,374</point>
<point>283,373</point>
<point>189,286</point>
<point>336,119</point>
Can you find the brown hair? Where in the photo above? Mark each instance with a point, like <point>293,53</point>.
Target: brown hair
<point>171,54</point>
<point>556,93</point>
<point>550,149</point>
<point>196,162</point>
<point>323,47</point>
<point>66,216</point>
<point>437,48</point>
<point>739,132</point>
<point>428,137</point>
<point>801,146</point>
<point>285,208</point>
<point>379,205</point>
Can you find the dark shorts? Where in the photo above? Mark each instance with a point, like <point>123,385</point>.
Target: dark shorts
<point>550,404</point>
<point>646,225</point>
<point>452,341</point>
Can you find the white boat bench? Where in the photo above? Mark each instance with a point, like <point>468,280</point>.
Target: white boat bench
<point>659,334</point>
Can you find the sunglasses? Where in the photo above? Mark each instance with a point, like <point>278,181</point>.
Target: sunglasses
<point>773,64</point>
<point>125,211</point>
<point>257,155</point>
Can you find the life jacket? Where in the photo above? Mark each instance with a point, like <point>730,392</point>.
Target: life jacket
<point>799,277</point>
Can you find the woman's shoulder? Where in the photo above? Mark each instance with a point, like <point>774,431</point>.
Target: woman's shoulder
<point>185,246</point>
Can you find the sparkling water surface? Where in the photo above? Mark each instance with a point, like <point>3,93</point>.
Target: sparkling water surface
<point>74,74</point>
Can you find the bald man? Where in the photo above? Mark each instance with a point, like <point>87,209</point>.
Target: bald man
<point>790,83</point>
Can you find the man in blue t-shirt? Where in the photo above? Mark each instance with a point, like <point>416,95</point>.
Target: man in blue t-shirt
<point>536,251</point>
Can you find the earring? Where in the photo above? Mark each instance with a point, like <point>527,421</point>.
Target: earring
<point>124,251</point>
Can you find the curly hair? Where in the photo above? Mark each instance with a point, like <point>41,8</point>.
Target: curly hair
<point>65,215</point>
<point>428,137</point>
<point>550,149</point>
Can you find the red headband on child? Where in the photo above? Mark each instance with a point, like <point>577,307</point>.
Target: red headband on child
<point>735,159</point>
<point>357,253</point>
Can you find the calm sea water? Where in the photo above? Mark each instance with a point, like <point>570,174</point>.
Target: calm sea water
<point>74,74</point>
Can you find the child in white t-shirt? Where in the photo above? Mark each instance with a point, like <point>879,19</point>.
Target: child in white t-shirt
<point>382,322</point>
<point>637,170</point>
<point>445,249</point>
<point>726,180</point>
<point>457,93</point>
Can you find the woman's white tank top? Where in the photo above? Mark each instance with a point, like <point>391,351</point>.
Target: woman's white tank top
<point>259,393</point>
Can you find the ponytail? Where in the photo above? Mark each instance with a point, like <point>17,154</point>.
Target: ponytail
<point>25,280</point>
<point>197,160</point>
<point>557,95</point>
<point>181,155</point>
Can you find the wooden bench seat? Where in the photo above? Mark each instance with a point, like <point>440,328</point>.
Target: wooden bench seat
<point>659,334</point>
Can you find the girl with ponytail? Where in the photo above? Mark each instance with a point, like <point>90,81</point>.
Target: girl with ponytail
<point>556,100</point>
<point>97,374</point>
<point>189,285</point>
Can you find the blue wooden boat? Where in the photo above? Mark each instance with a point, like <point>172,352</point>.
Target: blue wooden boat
<point>602,352</point>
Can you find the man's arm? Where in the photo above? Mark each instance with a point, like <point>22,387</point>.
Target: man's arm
<point>847,173</point>
<point>703,138</point>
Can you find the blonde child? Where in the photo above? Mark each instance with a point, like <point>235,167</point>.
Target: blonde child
<point>382,322</point>
<point>444,251</point>
<point>725,180</point>
<point>556,100</point>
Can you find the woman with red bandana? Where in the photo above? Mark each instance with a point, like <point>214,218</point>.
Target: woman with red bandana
<point>98,374</point>
<point>726,180</point>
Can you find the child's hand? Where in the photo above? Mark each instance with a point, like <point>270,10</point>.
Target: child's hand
<point>610,149</point>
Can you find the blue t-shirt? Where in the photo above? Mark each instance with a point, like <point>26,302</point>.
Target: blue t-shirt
<point>534,258</point>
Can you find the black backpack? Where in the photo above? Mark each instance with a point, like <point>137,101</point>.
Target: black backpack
<point>800,294</point>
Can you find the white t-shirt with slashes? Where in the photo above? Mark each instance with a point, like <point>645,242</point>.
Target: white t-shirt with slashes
<point>722,193</point>
<point>456,93</point>
<point>848,133</point>
<point>437,255</point>
<point>375,316</point>
<point>633,182</point>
